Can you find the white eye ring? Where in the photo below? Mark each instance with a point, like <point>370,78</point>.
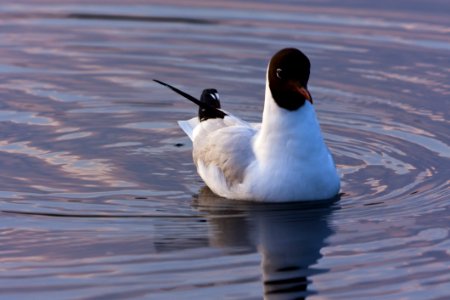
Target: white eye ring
<point>215,96</point>
<point>279,71</point>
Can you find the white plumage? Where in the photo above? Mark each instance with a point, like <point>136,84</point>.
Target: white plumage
<point>282,159</point>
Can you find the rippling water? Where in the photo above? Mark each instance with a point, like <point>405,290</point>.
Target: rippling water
<point>99,197</point>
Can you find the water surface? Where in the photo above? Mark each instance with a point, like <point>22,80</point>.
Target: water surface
<point>99,197</point>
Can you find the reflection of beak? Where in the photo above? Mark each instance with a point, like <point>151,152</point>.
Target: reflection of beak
<point>305,93</point>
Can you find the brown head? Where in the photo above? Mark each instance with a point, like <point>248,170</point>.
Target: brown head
<point>288,76</point>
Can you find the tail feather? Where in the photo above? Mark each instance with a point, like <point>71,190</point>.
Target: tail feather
<point>188,126</point>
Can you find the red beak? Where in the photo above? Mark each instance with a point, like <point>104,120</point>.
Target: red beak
<point>305,93</point>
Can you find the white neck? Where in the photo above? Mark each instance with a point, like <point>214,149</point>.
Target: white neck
<point>285,132</point>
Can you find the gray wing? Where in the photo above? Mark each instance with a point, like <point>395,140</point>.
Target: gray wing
<point>228,148</point>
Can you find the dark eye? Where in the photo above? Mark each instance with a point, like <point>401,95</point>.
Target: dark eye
<point>280,73</point>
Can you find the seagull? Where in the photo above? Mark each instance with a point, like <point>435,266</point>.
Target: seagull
<point>282,159</point>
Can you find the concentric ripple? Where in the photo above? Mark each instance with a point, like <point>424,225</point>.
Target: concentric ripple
<point>385,162</point>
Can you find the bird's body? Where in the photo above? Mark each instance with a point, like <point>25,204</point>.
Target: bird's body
<point>280,160</point>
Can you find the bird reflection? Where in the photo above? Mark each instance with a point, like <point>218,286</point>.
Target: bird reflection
<point>288,237</point>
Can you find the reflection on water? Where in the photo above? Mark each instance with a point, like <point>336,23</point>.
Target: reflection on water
<point>96,193</point>
<point>288,237</point>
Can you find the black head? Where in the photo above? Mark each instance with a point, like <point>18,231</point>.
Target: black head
<point>288,78</point>
<point>211,110</point>
<point>210,97</point>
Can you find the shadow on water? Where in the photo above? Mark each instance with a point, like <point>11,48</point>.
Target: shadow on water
<point>112,17</point>
<point>289,238</point>
<point>134,18</point>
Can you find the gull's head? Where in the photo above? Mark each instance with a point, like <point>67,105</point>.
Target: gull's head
<point>210,96</point>
<point>288,75</point>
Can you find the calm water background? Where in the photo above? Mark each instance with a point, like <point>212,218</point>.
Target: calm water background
<point>99,198</point>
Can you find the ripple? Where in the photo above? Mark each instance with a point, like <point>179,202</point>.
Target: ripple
<point>99,195</point>
<point>24,117</point>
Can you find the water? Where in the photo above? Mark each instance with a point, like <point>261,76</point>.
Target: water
<point>99,196</point>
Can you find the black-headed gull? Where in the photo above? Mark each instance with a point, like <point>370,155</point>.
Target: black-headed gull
<point>282,159</point>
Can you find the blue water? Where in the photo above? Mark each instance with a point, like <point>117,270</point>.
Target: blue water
<point>99,197</point>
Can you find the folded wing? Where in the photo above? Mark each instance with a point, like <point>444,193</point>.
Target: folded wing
<point>223,147</point>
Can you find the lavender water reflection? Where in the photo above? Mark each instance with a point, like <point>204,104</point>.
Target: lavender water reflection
<point>288,237</point>
<point>97,182</point>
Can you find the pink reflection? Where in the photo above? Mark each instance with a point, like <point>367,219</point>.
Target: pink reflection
<point>94,170</point>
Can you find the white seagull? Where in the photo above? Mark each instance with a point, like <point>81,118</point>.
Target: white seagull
<point>282,159</point>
